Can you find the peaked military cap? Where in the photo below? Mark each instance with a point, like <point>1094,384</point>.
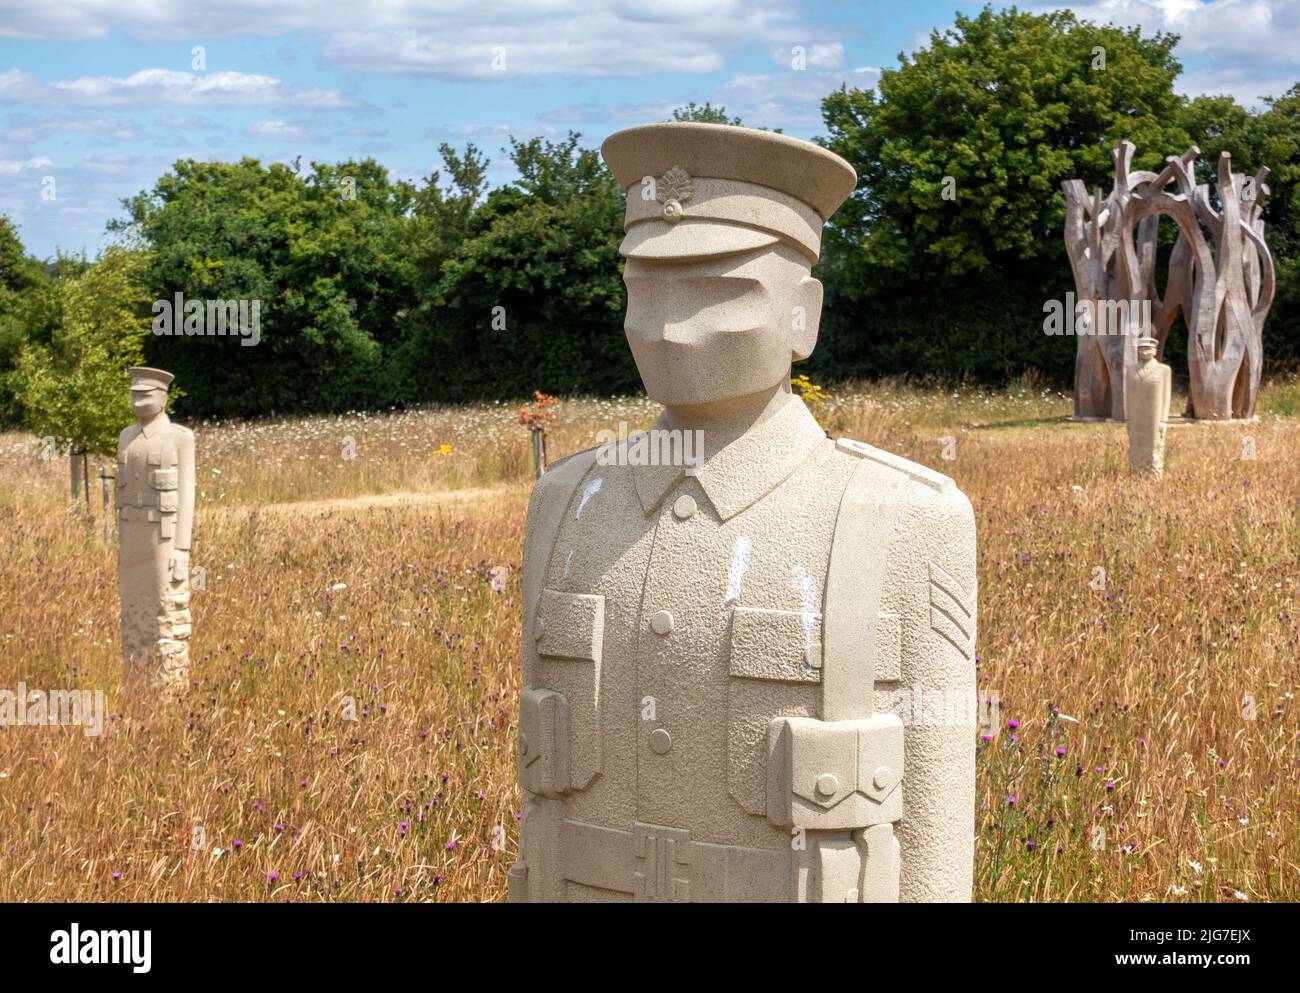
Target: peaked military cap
<point>144,378</point>
<point>699,190</point>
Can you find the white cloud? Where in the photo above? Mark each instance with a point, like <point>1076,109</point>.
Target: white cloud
<point>16,167</point>
<point>791,99</point>
<point>1260,30</point>
<point>280,131</point>
<point>450,40</point>
<point>165,87</point>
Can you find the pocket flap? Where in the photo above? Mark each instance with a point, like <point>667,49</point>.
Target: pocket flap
<point>570,625</point>
<point>782,645</point>
<point>165,479</point>
<point>169,501</point>
<point>824,761</point>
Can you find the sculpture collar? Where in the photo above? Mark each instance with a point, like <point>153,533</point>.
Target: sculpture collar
<point>746,470</point>
<point>154,426</point>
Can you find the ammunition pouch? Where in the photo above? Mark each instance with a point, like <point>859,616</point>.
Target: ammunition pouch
<point>834,775</point>
<point>544,743</point>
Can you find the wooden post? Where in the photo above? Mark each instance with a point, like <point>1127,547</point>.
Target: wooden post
<point>106,478</point>
<point>537,453</point>
<point>74,467</point>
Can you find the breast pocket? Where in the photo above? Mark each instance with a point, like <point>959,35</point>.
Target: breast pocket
<point>775,663</point>
<point>569,635</point>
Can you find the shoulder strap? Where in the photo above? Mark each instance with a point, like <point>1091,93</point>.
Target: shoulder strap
<point>864,526</point>
<point>562,478</point>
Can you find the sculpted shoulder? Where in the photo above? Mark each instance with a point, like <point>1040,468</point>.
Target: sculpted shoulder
<point>560,478</point>
<point>926,490</point>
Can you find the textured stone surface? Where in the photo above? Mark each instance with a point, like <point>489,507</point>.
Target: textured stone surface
<point>155,510</point>
<point>1148,391</point>
<point>710,651</point>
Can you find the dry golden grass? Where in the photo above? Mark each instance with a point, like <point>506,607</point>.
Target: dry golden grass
<point>369,578</point>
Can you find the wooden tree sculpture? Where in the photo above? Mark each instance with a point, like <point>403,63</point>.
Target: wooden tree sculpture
<point>1223,294</point>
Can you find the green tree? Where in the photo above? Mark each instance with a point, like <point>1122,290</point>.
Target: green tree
<point>533,297</point>
<point>75,388</point>
<point>708,114</point>
<point>960,156</point>
<point>322,255</point>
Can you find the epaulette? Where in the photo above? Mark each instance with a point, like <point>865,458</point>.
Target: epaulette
<point>556,463</point>
<point>937,481</point>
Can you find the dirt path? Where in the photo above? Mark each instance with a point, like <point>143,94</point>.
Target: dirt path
<point>374,501</point>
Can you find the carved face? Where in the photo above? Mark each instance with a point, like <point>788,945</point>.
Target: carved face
<point>148,403</point>
<point>1146,353</point>
<point>716,329</point>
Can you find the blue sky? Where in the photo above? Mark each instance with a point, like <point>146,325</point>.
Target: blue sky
<point>104,97</point>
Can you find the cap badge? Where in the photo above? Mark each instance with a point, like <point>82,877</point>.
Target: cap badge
<point>674,189</point>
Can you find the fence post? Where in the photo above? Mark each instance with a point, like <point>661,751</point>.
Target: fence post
<point>105,478</point>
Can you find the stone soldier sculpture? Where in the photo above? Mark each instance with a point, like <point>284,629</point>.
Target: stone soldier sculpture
<point>155,510</point>
<point>711,649</point>
<point>1147,389</point>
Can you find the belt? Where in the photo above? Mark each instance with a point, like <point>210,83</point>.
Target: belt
<point>662,864</point>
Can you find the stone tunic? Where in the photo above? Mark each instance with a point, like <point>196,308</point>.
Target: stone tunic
<point>155,507</point>
<point>676,616</point>
<point>1147,391</point>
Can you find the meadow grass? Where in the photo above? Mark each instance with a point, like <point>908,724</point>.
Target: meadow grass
<point>1140,640</point>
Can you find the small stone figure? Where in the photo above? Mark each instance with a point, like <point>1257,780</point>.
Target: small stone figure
<point>155,509</point>
<point>715,643</point>
<point>1147,389</point>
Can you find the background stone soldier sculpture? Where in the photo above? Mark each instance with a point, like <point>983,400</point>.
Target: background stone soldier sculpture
<point>155,509</point>
<point>711,654</point>
<point>1147,390</point>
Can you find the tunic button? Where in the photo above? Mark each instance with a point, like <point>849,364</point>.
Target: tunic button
<point>827,784</point>
<point>660,741</point>
<point>684,507</point>
<point>662,622</point>
<point>539,629</point>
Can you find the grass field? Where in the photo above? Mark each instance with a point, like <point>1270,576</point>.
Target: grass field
<point>1141,639</point>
